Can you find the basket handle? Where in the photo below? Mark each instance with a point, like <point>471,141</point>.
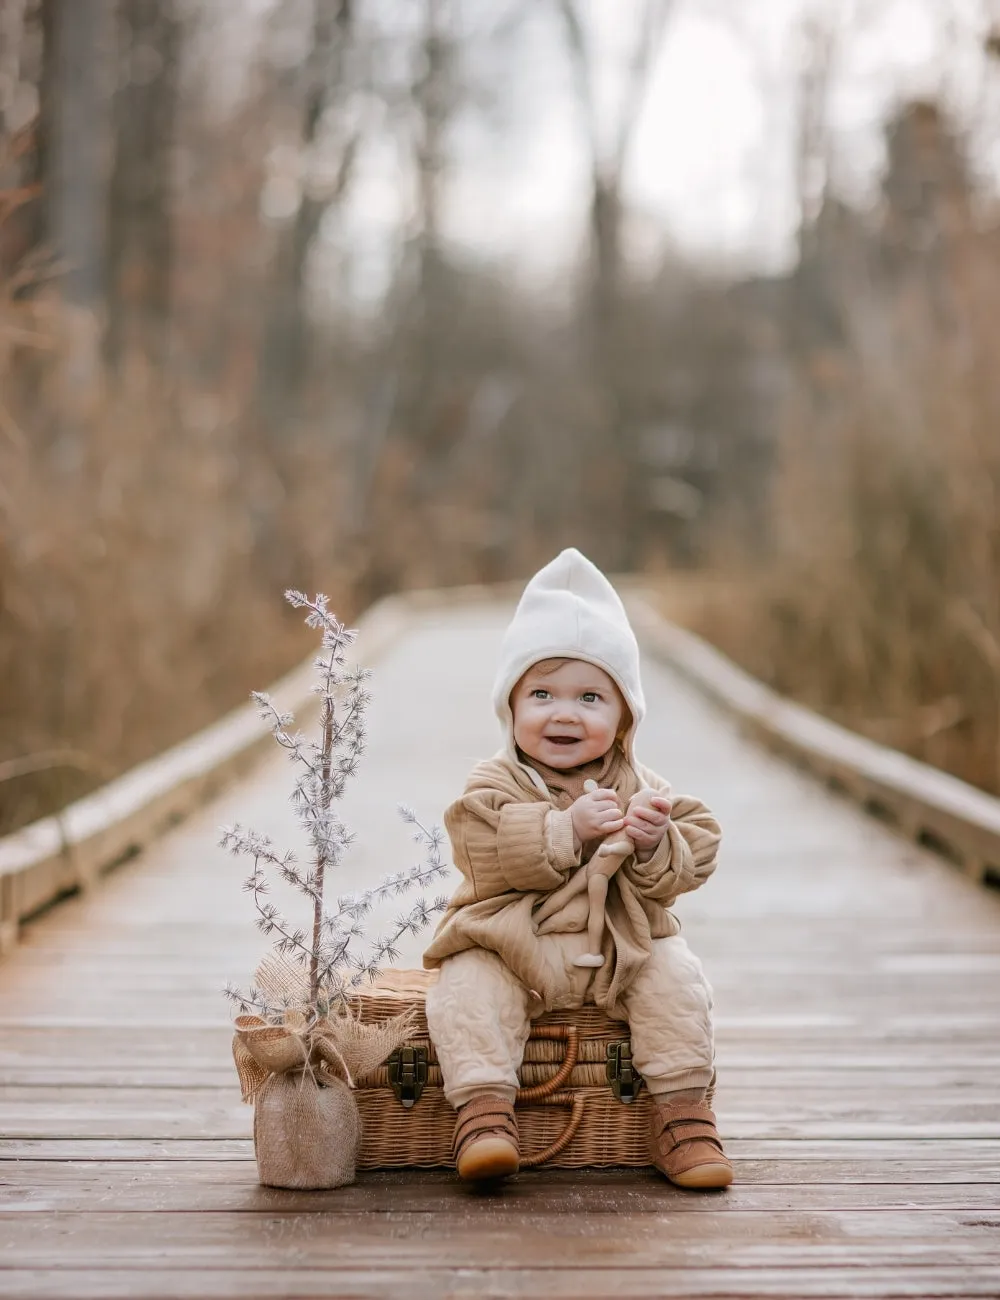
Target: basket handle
<point>568,1034</point>
<point>548,1094</point>
<point>573,1100</point>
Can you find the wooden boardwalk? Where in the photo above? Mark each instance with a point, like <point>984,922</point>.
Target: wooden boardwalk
<point>857,983</point>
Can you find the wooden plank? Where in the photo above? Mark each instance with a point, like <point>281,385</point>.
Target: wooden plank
<point>949,1160</point>
<point>216,1112</point>
<point>781,1160</point>
<point>566,1282</point>
<point>105,1187</point>
<point>497,1236</point>
<point>492,1222</point>
<point>137,1149</point>
<point>208,1048</point>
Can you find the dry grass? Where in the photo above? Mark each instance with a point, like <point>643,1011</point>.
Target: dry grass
<point>880,605</point>
<point>141,570</point>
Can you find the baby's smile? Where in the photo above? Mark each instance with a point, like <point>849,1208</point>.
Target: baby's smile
<point>563,706</point>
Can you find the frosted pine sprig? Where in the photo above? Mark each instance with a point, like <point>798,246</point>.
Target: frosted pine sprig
<point>329,961</point>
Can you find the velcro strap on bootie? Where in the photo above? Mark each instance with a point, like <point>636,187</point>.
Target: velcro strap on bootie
<point>488,1116</point>
<point>683,1135</point>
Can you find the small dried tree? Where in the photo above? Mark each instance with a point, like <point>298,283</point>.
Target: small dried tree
<point>312,974</point>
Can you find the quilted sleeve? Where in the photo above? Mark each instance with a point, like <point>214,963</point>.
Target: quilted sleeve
<point>686,856</point>
<point>501,844</point>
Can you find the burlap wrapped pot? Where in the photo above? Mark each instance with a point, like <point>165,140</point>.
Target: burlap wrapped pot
<point>307,1129</point>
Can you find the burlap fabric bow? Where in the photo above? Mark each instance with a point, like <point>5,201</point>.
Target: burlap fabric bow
<point>298,1075</point>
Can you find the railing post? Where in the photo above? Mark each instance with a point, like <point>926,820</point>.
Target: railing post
<point>8,914</point>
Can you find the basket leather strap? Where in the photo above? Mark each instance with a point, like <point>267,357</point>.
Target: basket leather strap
<point>568,1034</point>
<point>575,1102</point>
<point>548,1094</point>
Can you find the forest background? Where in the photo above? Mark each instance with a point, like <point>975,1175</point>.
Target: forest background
<point>366,295</point>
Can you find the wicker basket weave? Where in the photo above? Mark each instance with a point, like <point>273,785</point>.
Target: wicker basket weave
<point>567,1114</point>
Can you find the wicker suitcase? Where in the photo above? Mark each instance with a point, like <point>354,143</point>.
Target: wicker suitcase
<point>580,1102</point>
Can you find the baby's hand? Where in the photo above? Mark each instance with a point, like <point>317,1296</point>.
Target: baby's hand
<point>596,813</point>
<point>646,820</point>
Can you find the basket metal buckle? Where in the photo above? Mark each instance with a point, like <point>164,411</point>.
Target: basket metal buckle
<point>408,1074</point>
<point>621,1074</point>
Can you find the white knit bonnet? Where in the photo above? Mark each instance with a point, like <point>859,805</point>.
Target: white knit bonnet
<point>569,610</point>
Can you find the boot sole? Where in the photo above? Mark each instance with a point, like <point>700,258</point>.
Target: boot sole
<point>488,1158</point>
<point>704,1177</point>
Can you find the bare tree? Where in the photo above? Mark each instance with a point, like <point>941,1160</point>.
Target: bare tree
<point>322,85</point>
<point>608,154</point>
<point>19,182</point>
<point>400,423</point>
<point>140,244</point>
<point>11,36</point>
<point>76,140</point>
<point>434,97</point>
<point>607,160</point>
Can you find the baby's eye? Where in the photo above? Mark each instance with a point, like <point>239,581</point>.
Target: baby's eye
<point>539,694</point>
<point>590,697</point>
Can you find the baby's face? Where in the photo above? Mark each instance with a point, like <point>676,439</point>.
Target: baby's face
<point>566,716</point>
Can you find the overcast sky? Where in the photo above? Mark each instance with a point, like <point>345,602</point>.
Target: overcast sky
<point>711,168</point>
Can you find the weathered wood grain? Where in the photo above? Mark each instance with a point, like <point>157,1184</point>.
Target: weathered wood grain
<point>489,1236</point>
<point>173,1282</point>
<point>778,1161</point>
<point>116,1187</point>
<point>858,1018</point>
<point>209,1112</point>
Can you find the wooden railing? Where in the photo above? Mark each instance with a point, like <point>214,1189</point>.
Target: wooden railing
<point>67,852</point>
<point>70,851</point>
<point>923,803</point>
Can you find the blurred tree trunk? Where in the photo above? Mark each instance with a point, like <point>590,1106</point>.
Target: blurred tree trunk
<point>75,105</point>
<point>18,166</point>
<point>11,36</point>
<point>403,443</point>
<point>74,165</point>
<point>619,473</point>
<point>140,210</point>
<point>284,355</point>
<point>433,101</point>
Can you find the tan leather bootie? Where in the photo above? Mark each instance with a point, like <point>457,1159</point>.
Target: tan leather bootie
<point>685,1145</point>
<point>486,1144</point>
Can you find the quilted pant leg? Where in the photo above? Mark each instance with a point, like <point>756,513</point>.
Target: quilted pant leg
<point>477,1013</point>
<point>669,1010</point>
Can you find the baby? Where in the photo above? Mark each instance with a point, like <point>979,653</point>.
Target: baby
<point>529,829</point>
